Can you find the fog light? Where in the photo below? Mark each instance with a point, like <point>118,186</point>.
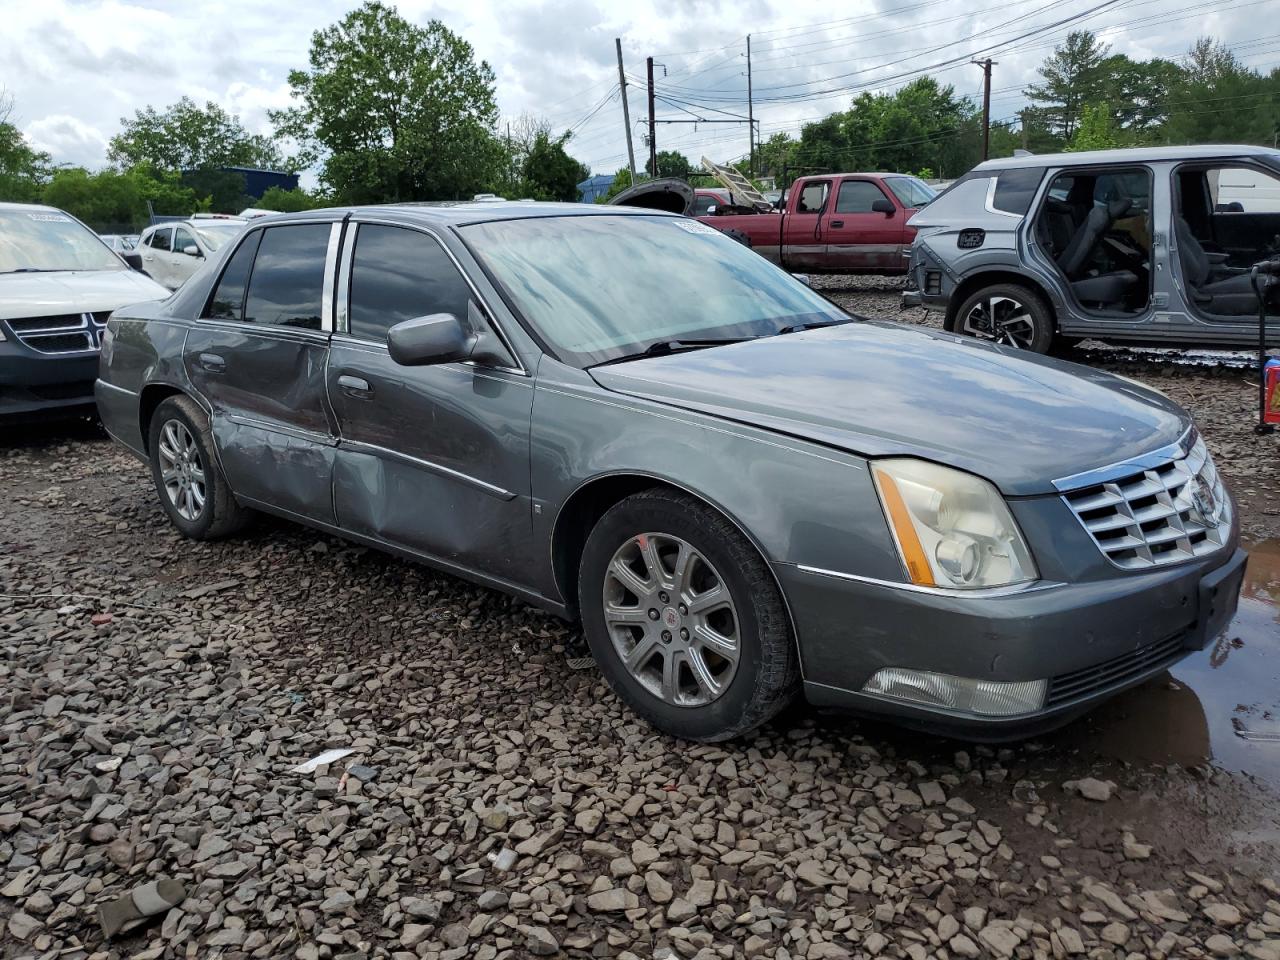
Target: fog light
<point>982,697</point>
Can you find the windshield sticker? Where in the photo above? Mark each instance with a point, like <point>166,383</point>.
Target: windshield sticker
<point>695,226</point>
<point>49,217</point>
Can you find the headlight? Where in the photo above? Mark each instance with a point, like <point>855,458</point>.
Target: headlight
<point>952,529</point>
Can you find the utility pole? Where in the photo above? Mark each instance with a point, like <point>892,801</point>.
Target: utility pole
<point>986,66</point>
<point>626,111</point>
<point>751,123</point>
<point>653,143</point>
<point>1026,134</point>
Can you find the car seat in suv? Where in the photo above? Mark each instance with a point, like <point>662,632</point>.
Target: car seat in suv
<point>1214,287</point>
<point>1105,289</point>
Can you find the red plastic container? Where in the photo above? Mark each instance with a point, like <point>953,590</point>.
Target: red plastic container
<point>1272,410</point>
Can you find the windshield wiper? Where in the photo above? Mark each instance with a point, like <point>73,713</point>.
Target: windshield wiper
<point>797,327</point>
<point>32,270</point>
<point>663,347</point>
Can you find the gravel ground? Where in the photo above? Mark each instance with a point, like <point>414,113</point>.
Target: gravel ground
<point>157,694</point>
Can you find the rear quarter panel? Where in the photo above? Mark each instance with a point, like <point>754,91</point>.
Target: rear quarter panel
<point>143,346</point>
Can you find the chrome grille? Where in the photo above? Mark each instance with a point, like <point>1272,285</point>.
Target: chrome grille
<point>1157,515</point>
<point>61,333</point>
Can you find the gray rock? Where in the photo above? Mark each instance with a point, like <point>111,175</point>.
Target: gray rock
<point>541,943</point>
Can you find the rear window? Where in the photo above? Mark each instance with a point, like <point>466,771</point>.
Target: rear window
<point>1016,188</point>
<point>288,277</point>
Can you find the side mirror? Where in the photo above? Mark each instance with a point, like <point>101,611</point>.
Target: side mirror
<point>437,338</point>
<point>133,259</point>
<point>191,250</point>
<point>883,206</point>
<point>803,278</point>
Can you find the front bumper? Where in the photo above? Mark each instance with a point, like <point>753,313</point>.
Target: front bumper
<point>34,384</point>
<point>1090,640</point>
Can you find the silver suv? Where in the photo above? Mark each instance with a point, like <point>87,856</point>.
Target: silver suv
<point>1150,245</point>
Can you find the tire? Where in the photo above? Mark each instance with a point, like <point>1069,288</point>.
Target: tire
<point>743,692</point>
<point>178,426</point>
<point>1026,320</point>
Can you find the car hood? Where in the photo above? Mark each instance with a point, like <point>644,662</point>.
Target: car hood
<point>73,291</point>
<point>669,194</point>
<point>1020,420</point>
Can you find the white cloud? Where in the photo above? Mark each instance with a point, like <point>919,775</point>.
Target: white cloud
<point>67,139</point>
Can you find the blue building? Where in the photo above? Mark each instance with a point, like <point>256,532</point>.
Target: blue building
<point>258,182</point>
<point>596,186</point>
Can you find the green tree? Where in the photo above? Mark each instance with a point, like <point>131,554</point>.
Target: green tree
<point>23,170</point>
<point>1071,77</point>
<point>186,136</point>
<point>621,181</point>
<point>548,172</point>
<point>114,200</point>
<point>288,201</point>
<point>774,156</point>
<point>394,111</point>
<point>1096,130</point>
<point>671,163</point>
<point>1220,100</point>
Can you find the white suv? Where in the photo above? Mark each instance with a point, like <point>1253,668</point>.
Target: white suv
<point>172,252</point>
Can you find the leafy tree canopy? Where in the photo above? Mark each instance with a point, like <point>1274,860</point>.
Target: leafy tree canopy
<point>186,136</point>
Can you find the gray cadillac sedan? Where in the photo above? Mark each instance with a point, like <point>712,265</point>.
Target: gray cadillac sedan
<point>742,491</point>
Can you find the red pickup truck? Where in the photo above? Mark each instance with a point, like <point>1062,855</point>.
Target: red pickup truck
<point>831,223</point>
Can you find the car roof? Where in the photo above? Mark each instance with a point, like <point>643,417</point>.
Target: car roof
<point>461,213</point>
<point>4,205</point>
<point>1130,155</point>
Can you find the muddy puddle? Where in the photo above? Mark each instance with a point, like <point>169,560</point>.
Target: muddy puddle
<point>1221,705</point>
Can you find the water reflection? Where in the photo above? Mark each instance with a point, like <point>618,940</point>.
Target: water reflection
<point>1221,704</point>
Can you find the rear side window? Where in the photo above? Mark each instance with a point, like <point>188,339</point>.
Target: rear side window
<point>1015,189</point>
<point>227,302</point>
<point>287,282</point>
<point>857,196</point>
<point>399,274</point>
<point>160,239</point>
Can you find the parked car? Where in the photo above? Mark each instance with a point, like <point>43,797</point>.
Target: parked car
<point>741,490</point>
<point>58,283</point>
<point>1147,245</point>
<point>119,242</point>
<point>172,252</point>
<point>834,223</point>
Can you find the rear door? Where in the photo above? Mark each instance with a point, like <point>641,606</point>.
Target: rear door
<point>803,234</point>
<point>431,458</point>
<point>257,357</point>
<point>860,238</point>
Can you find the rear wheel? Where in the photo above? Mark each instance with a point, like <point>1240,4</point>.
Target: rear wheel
<point>1009,314</point>
<point>684,619</point>
<point>191,486</point>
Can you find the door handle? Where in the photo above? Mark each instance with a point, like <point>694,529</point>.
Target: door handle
<point>148,258</point>
<point>356,387</point>
<point>837,223</point>
<point>212,363</point>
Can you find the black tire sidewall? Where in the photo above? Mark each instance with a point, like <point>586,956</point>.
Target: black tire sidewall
<point>1041,314</point>
<point>651,515</point>
<point>197,529</point>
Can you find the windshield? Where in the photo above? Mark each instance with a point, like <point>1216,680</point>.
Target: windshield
<point>215,235</point>
<point>910,191</point>
<point>599,288</point>
<point>34,239</point>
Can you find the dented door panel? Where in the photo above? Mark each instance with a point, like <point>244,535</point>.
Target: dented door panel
<point>433,459</point>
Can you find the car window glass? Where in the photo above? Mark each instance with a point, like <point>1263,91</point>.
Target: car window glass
<point>911,192</point>
<point>160,239</point>
<point>1015,189</point>
<point>227,302</point>
<point>857,196</point>
<point>399,274</point>
<point>703,203</point>
<point>288,277</point>
<point>182,239</point>
<point>812,197</point>
<point>1130,185</point>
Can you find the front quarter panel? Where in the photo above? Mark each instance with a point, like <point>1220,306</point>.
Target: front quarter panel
<point>799,502</point>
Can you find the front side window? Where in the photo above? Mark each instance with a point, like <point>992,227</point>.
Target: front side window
<point>682,280</point>
<point>227,302</point>
<point>161,239</point>
<point>399,274</point>
<point>215,235</point>
<point>911,192</point>
<point>287,282</point>
<point>32,239</point>
<point>813,197</point>
<point>857,196</point>
<point>182,239</point>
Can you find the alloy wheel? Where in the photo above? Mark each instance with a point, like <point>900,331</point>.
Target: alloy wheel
<point>672,619</point>
<point>1001,320</point>
<point>181,469</point>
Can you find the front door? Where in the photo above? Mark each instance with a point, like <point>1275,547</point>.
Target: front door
<point>258,356</point>
<point>804,244</point>
<point>860,237</point>
<point>156,254</point>
<point>431,458</point>
<point>185,258</point>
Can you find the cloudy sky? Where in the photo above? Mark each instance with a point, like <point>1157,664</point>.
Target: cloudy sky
<point>75,67</point>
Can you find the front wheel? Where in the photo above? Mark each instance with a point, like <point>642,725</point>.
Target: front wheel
<point>1009,314</point>
<point>684,618</point>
